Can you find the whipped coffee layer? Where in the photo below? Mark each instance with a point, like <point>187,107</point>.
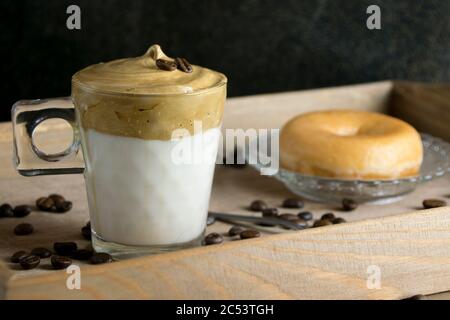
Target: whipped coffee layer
<point>141,75</point>
<point>132,97</point>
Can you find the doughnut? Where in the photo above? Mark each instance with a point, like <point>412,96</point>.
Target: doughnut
<point>350,144</point>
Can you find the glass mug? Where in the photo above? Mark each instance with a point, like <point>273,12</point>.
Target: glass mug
<point>141,200</point>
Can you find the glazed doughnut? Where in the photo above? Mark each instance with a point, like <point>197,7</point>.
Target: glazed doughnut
<point>350,144</point>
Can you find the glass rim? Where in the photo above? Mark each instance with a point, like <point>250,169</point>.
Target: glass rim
<point>90,89</point>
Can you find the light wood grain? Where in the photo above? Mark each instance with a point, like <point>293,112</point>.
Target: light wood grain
<point>328,263</point>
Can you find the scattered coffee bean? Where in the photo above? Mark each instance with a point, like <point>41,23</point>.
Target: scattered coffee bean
<point>22,211</point>
<point>54,203</point>
<point>65,248</point>
<point>45,204</point>
<point>288,216</point>
<point>349,204</point>
<point>235,230</point>
<point>86,232</point>
<point>210,220</point>
<point>183,65</point>
<point>57,197</point>
<point>338,220</point>
<point>328,216</point>
<point>101,257</point>
<point>293,203</point>
<point>270,212</point>
<point>305,215</point>
<point>433,203</point>
<point>41,252</point>
<point>23,229</point>
<point>213,238</point>
<point>15,258</point>
<point>60,262</point>
<point>322,223</point>
<point>6,211</point>
<point>249,233</point>
<point>29,262</point>
<point>166,65</point>
<point>258,205</point>
<point>82,254</point>
<point>63,206</point>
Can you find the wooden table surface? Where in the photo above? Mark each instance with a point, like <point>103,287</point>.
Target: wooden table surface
<point>233,189</point>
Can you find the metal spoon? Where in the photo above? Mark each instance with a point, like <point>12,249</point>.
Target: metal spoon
<point>228,217</point>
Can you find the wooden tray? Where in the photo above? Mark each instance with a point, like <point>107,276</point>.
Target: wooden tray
<point>411,247</point>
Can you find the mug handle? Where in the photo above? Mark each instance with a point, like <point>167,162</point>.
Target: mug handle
<point>29,160</point>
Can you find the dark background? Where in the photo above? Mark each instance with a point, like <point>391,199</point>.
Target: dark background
<point>262,46</point>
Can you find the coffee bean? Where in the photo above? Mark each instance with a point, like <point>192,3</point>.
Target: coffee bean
<point>433,203</point>
<point>45,204</point>
<point>54,203</point>
<point>60,262</point>
<point>22,211</point>
<point>258,205</point>
<point>305,215</point>
<point>23,229</point>
<point>322,223</point>
<point>63,206</point>
<point>29,262</point>
<point>338,220</point>
<point>293,203</point>
<point>183,65</point>
<point>40,200</point>
<point>288,216</point>
<point>349,204</point>
<point>328,216</point>
<point>82,254</point>
<point>101,257</point>
<point>249,233</point>
<point>210,220</point>
<point>235,230</point>
<point>270,212</point>
<point>166,65</point>
<point>213,238</point>
<point>6,211</point>
<point>57,197</point>
<point>41,252</point>
<point>65,248</point>
<point>15,258</point>
<point>86,232</point>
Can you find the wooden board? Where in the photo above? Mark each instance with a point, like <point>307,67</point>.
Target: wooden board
<point>426,107</point>
<point>324,263</point>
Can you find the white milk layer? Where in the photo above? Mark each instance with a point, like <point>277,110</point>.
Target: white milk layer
<point>140,195</point>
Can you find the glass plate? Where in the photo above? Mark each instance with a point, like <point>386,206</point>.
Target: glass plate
<point>436,163</point>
